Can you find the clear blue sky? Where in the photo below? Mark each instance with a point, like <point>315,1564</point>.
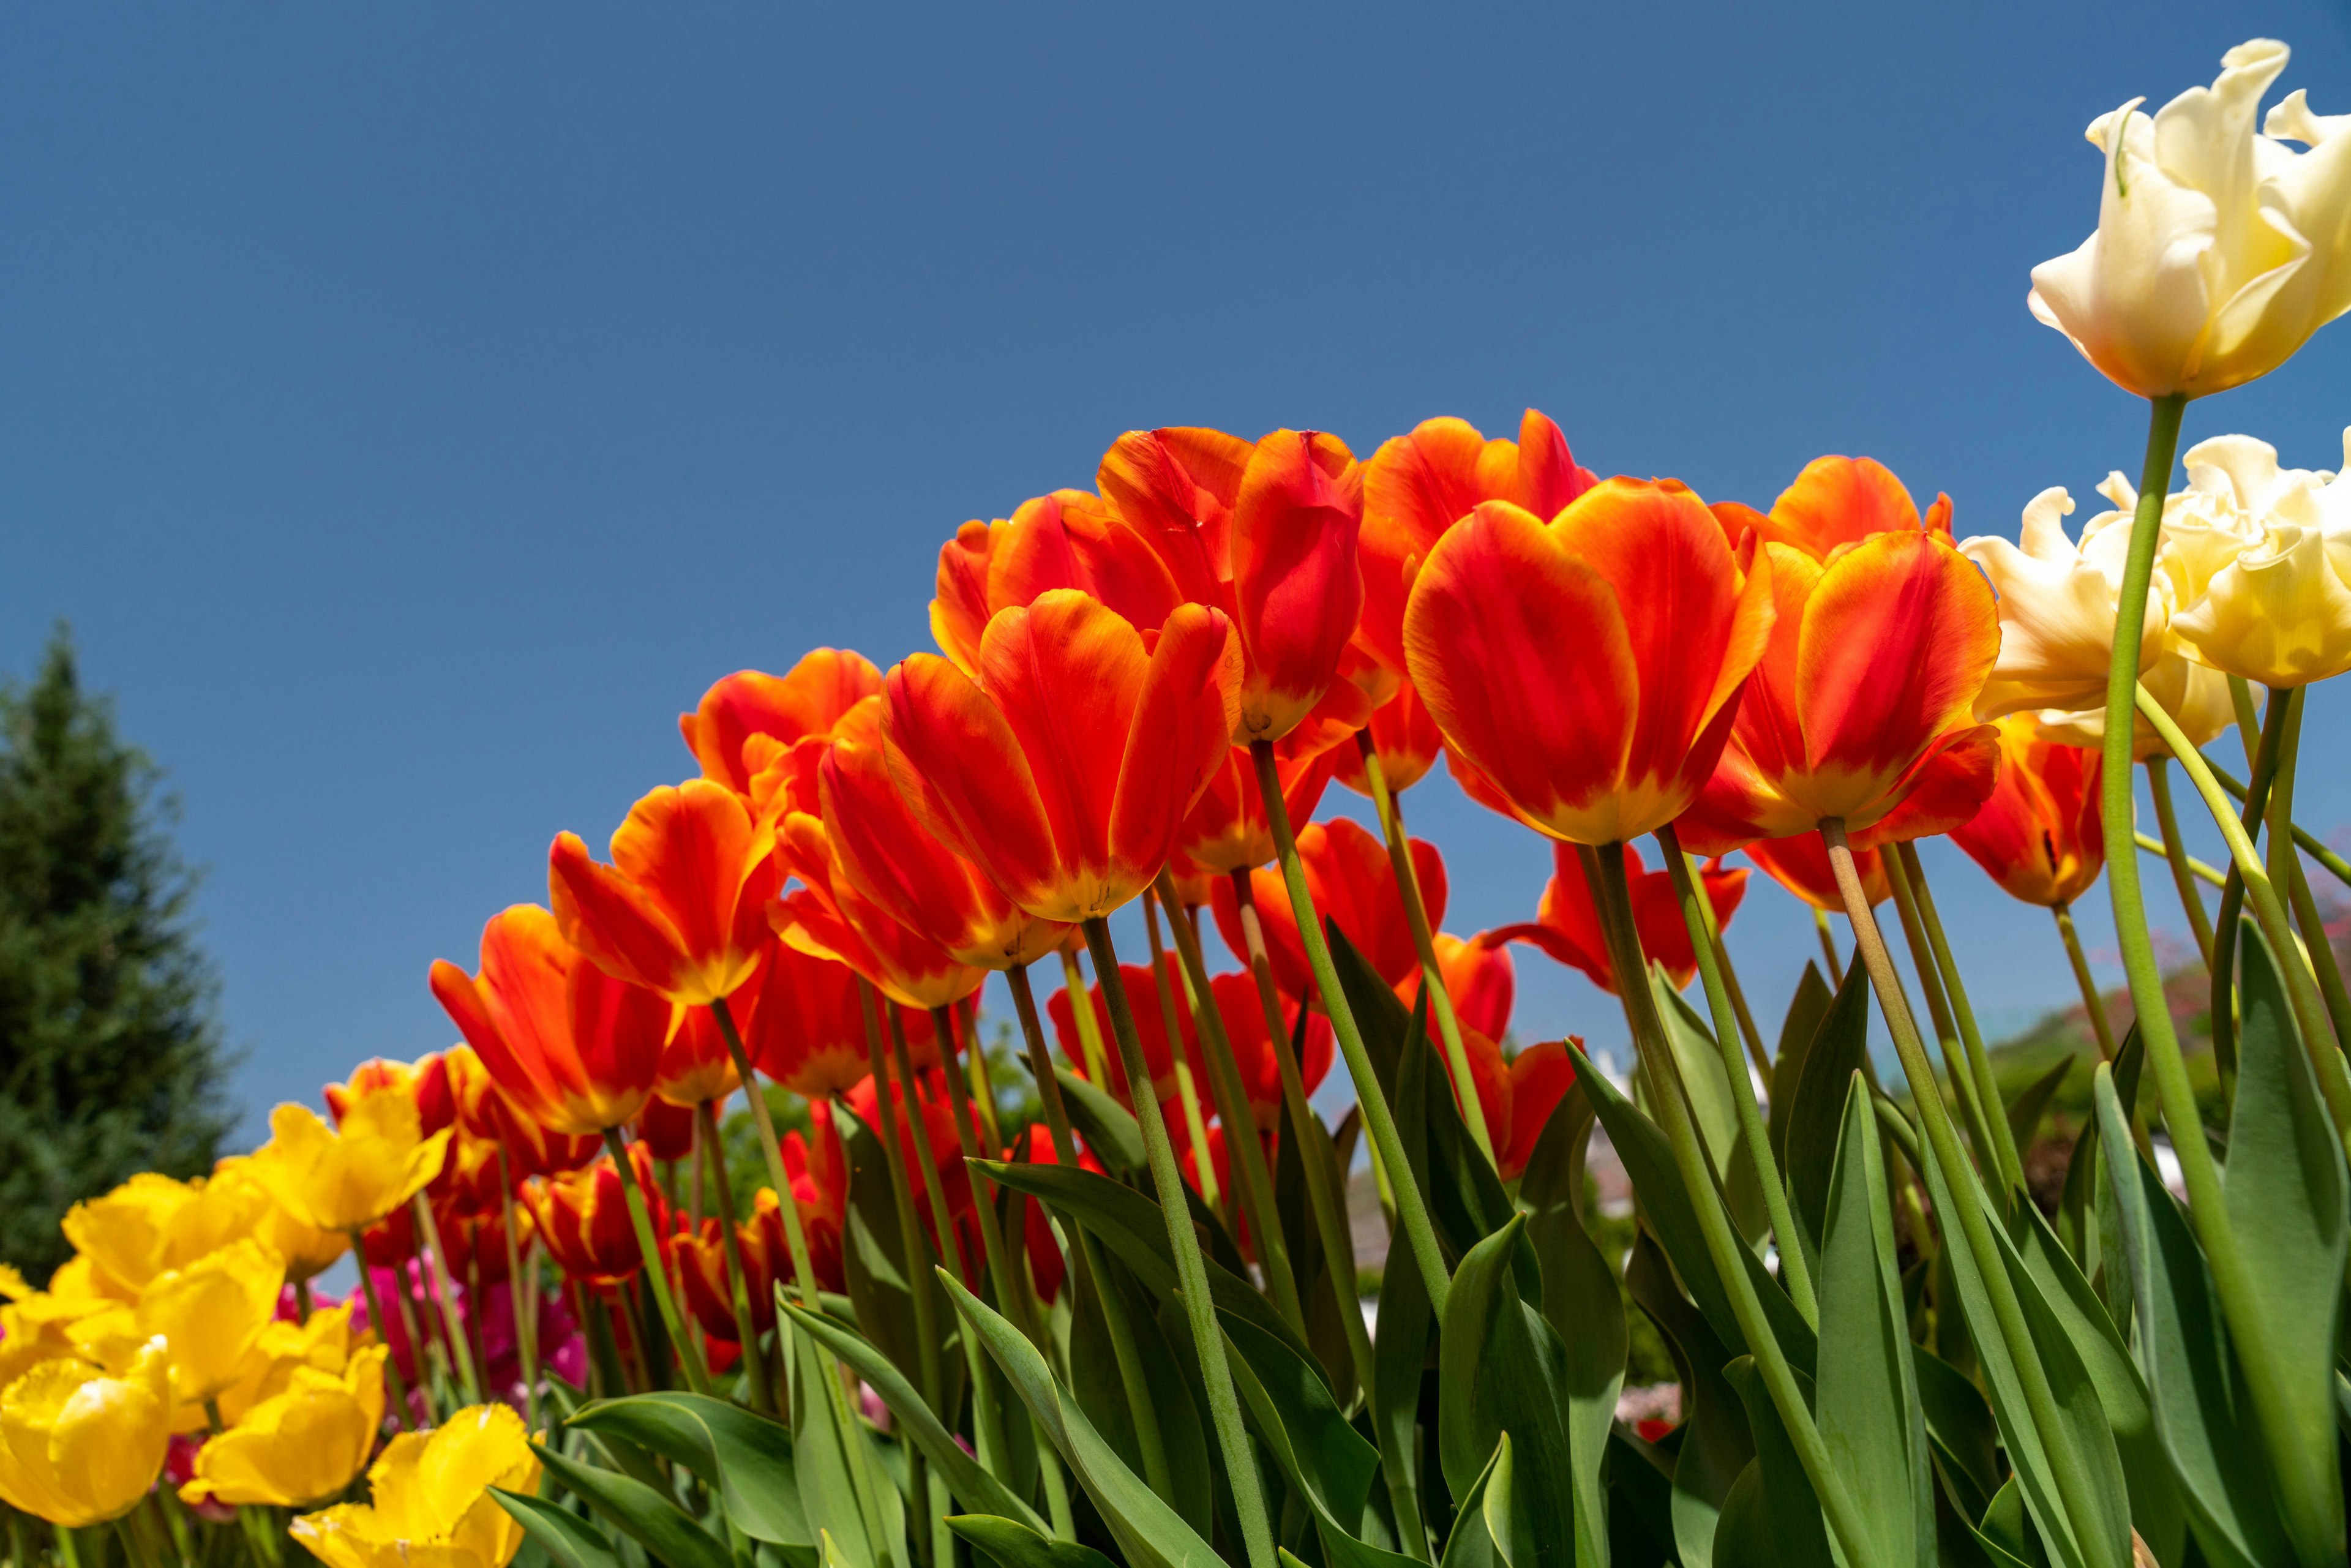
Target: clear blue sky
<point>412,408</point>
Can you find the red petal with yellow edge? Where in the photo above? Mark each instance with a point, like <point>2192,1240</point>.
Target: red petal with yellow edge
<point>1947,788</point>
<point>512,1013</point>
<point>1540,1077</point>
<point>1297,589</point>
<point>690,851</point>
<point>960,605</point>
<point>606,915</point>
<point>1842,500</point>
<point>1405,739</point>
<point>1478,977</point>
<point>1071,539</point>
<point>618,1031</point>
<point>1176,736</point>
<point>1520,650</point>
<point>1414,488</point>
<point>807,701</point>
<point>1226,830</point>
<point>1898,638</point>
<point>1547,476</point>
<point>1176,486</point>
<point>1801,864</point>
<point>960,769</point>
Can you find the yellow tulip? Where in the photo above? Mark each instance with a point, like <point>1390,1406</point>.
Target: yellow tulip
<point>39,1328</point>
<point>322,1344</point>
<point>341,1180</point>
<point>432,1502</point>
<point>301,1444</point>
<point>2219,251</point>
<point>2262,557</point>
<point>79,1447</point>
<point>211,1313</point>
<point>307,1250</point>
<point>152,1223</point>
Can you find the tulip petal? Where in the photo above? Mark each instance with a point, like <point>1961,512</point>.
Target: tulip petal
<point>1842,500</point>
<point>1176,486</point>
<point>805,701</point>
<point>1178,737</point>
<point>960,767</point>
<point>1946,790</point>
<point>1296,590</point>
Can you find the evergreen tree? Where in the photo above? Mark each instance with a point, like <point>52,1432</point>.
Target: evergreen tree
<point>110,1053</point>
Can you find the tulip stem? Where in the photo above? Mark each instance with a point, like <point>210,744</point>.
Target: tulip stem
<point>2285,866</point>
<point>1187,1093</point>
<point>655,1269</point>
<point>522,1299</point>
<point>1794,1267</point>
<point>1973,1221</point>
<point>1191,1268</point>
<point>2175,850</point>
<point>2092,1003</point>
<point>1416,916</point>
<point>803,1265</point>
<point>1995,1111</point>
<point>1828,947</point>
<point>1947,1034</point>
<point>1328,1209</point>
<point>2261,734</point>
<point>1615,906</point>
<point>1089,1039</point>
<point>1241,1136</point>
<point>400,1419</point>
<point>460,1344</point>
<point>1721,950</point>
<point>2202,870</point>
<point>739,1277</point>
<point>2303,838</point>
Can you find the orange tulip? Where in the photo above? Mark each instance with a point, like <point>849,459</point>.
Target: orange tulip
<point>1416,487</point>
<point>683,908</point>
<point>574,1050</point>
<point>584,1218</point>
<point>1540,1077</point>
<point>808,701</point>
<point>484,1113</point>
<point>1837,501</point>
<point>1354,885</point>
<point>1863,706</point>
<point>820,1189</point>
<point>1065,772</point>
<point>828,917</point>
<point>1479,978</point>
<point>665,1129</point>
<point>1589,668</point>
<point>1406,739</point>
<point>1266,534</point>
<point>1567,922</point>
<point>1150,1027</point>
<point>1261,1071</point>
<point>1226,830</point>
<point>695,1065</point>
<point>1069,539</point>
<point>2039,834</point>
<point>1801,864</point>
<point>805,1027</point>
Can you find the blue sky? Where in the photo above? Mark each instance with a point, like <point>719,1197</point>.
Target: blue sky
<point>414,408</point>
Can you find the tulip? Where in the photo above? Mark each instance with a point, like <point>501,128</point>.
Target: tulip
<point>1416,487</point>
<point>1242,1013</point>
<point>1567,921</point>
<point>1588,667</point>
<point>210,1313</point>
<point>779,710</point>
<point>346,1178</point>
<point>954,1178</point>
<point>2037,835</point>
<point>681,910</point>
<point>432,1499</point>
<point>1069,539</point>
<point>1801,864</point>
<point>1065,773</point>
<point>1267,535</point>
<point>665,1129</point>
<point>583,1218</point>
<point>78,1445</point>
<point>572,1047</point>
<point>38,1325</point>
<point>152,1223</point>
<point>1479,978</point>
<point>2264,573</point>
<point>297,1446</point>
<point>1406,739</point>
<point>1836,501</point>
<point>2218,251</point>
<point>1353,884</point>
<point>321,1341</point>
<point>424,1081</point>
<point>826,917</point>
<point>309,1251</point>
<point>807,1027</point>
<point>1150,1025</point>
<point>823,1194</point>
<point>1540,1077</point>
<point>1226,830</point>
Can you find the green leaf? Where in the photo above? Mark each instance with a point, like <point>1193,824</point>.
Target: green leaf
<point>2008,1534</point>
<point>2287,1200</point>
<point>1640,1501</point>
<point>1960,1425</point>
<point>1015,1545</point>
<point>1708,1081</point>
<point>746,1458</point>
<point>1325,1460</point>
<point>568,1539</point>
<point>1150,1533</point>
<point>660,1525</point>
<point>1818,1113</point>
<point>1716,1441</point>
<point>1108,1128</point>
<point>822,1462</point>
<point>2032,1103</point>
<point>1381,1017</point>
<point>1399,1356</point>
<point>879,1276</point>
<point>1471,1544</point>
<point>1798,1029</point>
<point>1097,1385</point>
<point>1783,1495</point>
<point>2202,1412</point>
<point>965,1477</point>
<point>1868,1407</point>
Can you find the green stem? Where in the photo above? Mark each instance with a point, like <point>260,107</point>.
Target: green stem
<point>1614,905</point>
<point>2202,870</point>
<point>1947,1034</point>
<point>2074,1488</point>
<point>1411,1206</point>
<point>1191,1268</point>
<point>383,1327</point>
<point>803,1263</point>
<point>649,1245</point>
<point>522,1298</point>
<point>1196,1126</point>
<point>1835,976</point>
<point>2303,838</point>
<point>1233,1107</point>
<point>2175,850</point>
<point>1747,1030</point>
<point>1327,1205</point>
<point>1089,1039</point>
<point>1793,1267</point>
<point>2094,1004</point>
<point>460,1345</point>
<point>2260,743</point>
<point>1416,914</point>
<point>2286,867</point>
<point>2012,1162</point>
<point>739,1277</point>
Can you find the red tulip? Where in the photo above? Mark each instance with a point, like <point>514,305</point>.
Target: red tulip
<point>584,1218</point>
<point>1801,864</point>
<point>808,701</point>
<point>1406,739</point>
<point>1069,539</point>
<point>1261,1071</point>
<point>666,1129</point>
<point>1837,501</point>
<point>2039,833</point>
<point>1567,922</point>
<point>1479,978</point>
<point>1353,884</point>
<point>1540,1077</point>
<point>1226,830</point>
<point>1150,1027</point>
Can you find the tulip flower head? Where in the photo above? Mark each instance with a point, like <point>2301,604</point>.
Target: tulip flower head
<point>2039,834</point>
<point>1540,1077</point>
<point>210,1313</point>
<point>2261,558</point>
<point>1070,538</point>
<point>1066,770</point>
<point>1800,863</point>
<point>2219,250</point>
<point>349,1177</point>
<point>777,709</point>
<point>1405,735</point>
<point>583,1218</point>
<point>1353,885</point>
<point>574,1048</point>
<point>1478,977</point>
<point>1243,1013</point>
<point>80,1445</point>
<point>152,1223</point>
<point>1589,667</point>
<point>299,1445</point>
<point>1567,921</point>
<point>1226,830</point>
<point>432,1501</point>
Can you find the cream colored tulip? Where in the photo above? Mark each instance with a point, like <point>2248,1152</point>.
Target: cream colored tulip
<point>2260,558</point>
<point>2219,249</point>
<point>2057,607</point>
<point>2197,699</point>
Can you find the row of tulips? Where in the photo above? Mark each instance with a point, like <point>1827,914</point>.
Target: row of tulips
<point>1132,1327</point>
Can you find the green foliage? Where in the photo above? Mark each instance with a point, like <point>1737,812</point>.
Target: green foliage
<point>111,1060</point>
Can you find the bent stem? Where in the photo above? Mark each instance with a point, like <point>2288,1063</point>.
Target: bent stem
<point>445,1298</point>
<point>1191,1268</point>
<point>739,1278</point>
<point>2073,1487</point>
<point>1794,1267</point>
<point>1723,1244</point>
<point>383,1330</point>
<point>1233,1108</point>
<point>1970,1038</point>
<point>2091,1001</point>
<point>2201,871</point>
<point>1416,916</point>
<point>1195,1126</point>
<point>656,1273</point>
<point>1411,1206</point>
<point>2175,850</point>
<point>1947,1034</point>
<point>522,1296</point>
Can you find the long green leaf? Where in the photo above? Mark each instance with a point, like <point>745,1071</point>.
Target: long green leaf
<point>1099,1388</point>
<point>1782,1498</point>
<point>2032,1102</point>
<point>1015,1545</point>
<point>1798,1029</point>
<point>1108,1128</point>
<point>1325,1460</point>
<point>821,1461</point>
<point>1716,1441</point>
<point>1818,1111</point>
<point>1471,1544</point>
<point>744,1457</point>
<point>659,1524</point>
<point>1960,1425</point>
<point>1399,1357</point>
<point>1501,1368</point>
<point>571,1541</point>
<point>879,1278</point>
